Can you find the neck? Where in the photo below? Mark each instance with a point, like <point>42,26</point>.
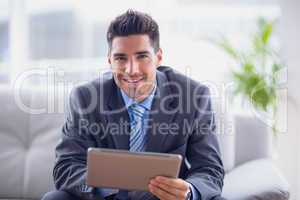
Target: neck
<point>139,97</point>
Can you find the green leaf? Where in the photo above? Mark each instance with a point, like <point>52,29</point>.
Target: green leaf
<point>262,36</point>
<point>257,43</point>
<point>248,68</point>
<point>266,32</point>
<point>228,48</point>
<point>276,67</point>
<point>260,98</point>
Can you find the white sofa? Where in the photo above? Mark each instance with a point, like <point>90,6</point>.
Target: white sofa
<point>27,143</point>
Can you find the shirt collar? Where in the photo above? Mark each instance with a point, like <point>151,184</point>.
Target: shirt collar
<point>146,103</point>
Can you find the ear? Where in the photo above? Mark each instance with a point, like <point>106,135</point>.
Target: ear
<point>159,57</point>
<point>108,58</point>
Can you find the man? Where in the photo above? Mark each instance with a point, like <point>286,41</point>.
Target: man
<point>165,112</point>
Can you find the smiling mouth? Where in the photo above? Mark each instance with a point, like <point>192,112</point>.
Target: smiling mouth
<point>133,80</point>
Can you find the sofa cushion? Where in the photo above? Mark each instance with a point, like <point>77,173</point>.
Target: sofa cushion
<point>27,141</point>
<point>226,137</point>
<point>253,139</point>
<point>44,133</point>
<point>14,142</point>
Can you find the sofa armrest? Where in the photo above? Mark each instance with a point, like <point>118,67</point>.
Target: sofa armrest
<point>255,180</point>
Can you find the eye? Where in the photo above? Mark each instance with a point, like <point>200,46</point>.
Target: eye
<point>141,56</point>
<point>120,58</point>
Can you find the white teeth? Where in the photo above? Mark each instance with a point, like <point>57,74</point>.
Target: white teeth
<point>133,81</point>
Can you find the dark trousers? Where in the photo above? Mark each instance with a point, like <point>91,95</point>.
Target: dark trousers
<point>62,195</point>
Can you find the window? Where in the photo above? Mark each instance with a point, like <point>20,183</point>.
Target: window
<point>70,35</point>
<point>4,39</point>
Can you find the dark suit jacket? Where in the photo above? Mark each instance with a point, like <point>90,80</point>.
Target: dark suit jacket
<point>180,102</point>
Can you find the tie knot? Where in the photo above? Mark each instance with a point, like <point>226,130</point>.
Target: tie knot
<point>137,110</point>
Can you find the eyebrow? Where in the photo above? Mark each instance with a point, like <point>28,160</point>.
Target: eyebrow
<point>136,53</point>
<point>142,52</point>
<point>119,55</point>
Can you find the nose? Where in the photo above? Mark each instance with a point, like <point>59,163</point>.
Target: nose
<point>132,67</point>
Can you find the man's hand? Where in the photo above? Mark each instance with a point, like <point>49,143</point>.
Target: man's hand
<point>169,188</point>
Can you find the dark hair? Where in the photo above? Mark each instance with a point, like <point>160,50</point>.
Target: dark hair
<point>131,23</point>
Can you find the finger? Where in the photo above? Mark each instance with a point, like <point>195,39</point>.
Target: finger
<point>174,182</point>
<point>173,191</point>
<point>161,194</point>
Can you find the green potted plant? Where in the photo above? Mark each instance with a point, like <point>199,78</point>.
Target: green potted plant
<point>256,75</point>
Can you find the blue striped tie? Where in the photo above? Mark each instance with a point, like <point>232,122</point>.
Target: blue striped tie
<point>137,135</point>
<point>137,140</point>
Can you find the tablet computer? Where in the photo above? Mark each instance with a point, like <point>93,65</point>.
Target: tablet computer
<point>110,168</point>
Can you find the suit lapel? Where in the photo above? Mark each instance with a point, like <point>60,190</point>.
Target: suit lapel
<point>162,112</point>
<point>118,119</point>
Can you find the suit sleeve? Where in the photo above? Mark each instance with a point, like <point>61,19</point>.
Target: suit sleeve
<point>70,165</point>
<point>203,153</point>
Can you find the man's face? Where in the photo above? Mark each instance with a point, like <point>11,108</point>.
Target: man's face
<point>134,62</point>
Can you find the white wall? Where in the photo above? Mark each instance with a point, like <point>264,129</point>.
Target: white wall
<point>288,150</point>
